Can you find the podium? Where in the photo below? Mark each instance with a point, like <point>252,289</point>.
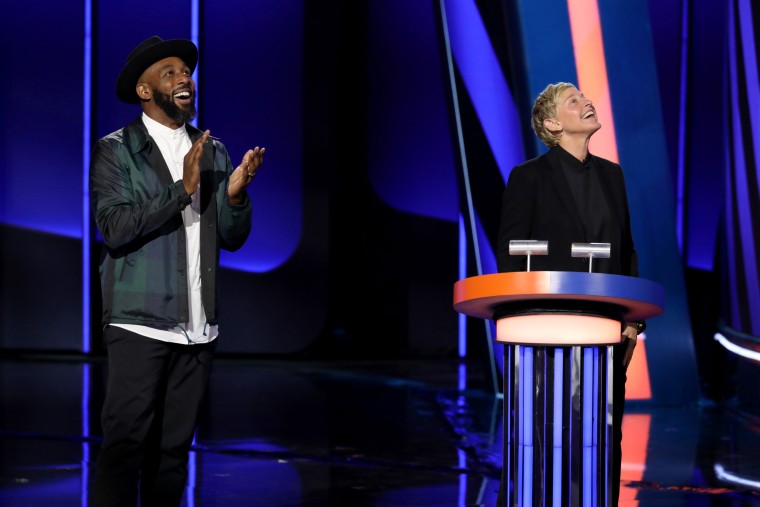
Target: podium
<point>558,329</point>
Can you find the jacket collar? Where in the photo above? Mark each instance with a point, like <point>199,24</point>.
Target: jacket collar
<point>137,137</point>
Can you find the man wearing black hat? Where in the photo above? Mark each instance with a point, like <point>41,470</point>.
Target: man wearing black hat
<point>166,198</point>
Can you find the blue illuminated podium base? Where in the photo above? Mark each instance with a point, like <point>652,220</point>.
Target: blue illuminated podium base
<point>557,426</point>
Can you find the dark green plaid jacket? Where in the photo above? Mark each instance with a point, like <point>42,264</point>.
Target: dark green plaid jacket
<point>137,209</point>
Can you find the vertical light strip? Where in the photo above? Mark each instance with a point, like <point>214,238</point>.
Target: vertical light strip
<point>462,379</point>
<point>609,407</point>
<point>520,391</point>
<point>571,392</point>
<point>736,165</point>
<point>460,140</point>
<point>86,434</point>
<point>586,29</point>
<point>192,474</point>
<point>195,36</point>
<point>461,455</point>
<point>462,463</point>
<point>682,125</point>
<point>731,165</point>
<point>587,444</point>
<point>462,345</point>
<point>558,396</point>
<point>462,273</point>
<point>508,415</point>
<point>595,420</point>
<point>192,471</point>
<point>86,335</point>
<point>195,24</point>
<point>86,126</point>
<point>467,190</point>
<point>541,423</point>
<point>528,387</point>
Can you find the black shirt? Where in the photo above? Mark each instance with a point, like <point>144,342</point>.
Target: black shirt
<point>586,189</point>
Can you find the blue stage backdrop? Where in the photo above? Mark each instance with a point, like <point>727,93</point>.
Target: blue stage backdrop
<point>267,75</point>
<point>413,139</point>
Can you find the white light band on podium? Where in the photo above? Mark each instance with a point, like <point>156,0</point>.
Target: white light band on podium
<point>558,330</point>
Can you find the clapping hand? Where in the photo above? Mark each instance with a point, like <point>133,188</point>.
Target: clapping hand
<point>243,174</point>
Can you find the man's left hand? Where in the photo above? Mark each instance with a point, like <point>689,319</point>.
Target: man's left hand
<point>243,174</point>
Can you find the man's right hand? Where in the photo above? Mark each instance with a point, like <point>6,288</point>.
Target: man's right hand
<point>191,165</point>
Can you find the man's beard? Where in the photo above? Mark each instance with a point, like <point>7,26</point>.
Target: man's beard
<point>172,110</point>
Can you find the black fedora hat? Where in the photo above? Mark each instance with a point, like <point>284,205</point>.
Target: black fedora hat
<point>146,54</point>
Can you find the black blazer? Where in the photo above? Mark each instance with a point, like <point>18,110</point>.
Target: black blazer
<point>537,204</point>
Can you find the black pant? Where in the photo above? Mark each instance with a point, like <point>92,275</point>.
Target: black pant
<point>618,408</point>
<point>153,395</point>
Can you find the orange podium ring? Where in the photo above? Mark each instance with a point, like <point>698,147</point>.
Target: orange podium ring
<point>558,307</point>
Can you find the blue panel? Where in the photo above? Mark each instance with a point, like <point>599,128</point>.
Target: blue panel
<point>486,84</point>
<point>644,158</point>
<point>251,95</point>
<point>409,139</point>
<point>121,26</point>
<point>41,122</point>
<point>706,154</point>
<point>547,47</point>
<point>667,32</point>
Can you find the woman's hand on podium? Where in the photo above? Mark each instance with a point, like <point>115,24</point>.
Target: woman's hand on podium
<point>630,333</point>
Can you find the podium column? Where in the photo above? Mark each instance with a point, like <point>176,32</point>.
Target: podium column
<point>557,426</point>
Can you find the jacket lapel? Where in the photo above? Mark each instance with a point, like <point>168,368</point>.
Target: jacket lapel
<point>157,162</point>
<point>140,142</point>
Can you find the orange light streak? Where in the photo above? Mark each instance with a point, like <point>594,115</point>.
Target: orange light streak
<point>637,386</point>
<point>634,447</point>
<point>586,29</point>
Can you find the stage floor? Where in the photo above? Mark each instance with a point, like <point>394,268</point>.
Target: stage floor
<point>282,433</point>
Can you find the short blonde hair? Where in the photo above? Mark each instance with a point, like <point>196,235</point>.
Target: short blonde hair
<point>545,107</point>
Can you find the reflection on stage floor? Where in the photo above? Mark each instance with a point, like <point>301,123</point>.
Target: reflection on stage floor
<point>351,433</point>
